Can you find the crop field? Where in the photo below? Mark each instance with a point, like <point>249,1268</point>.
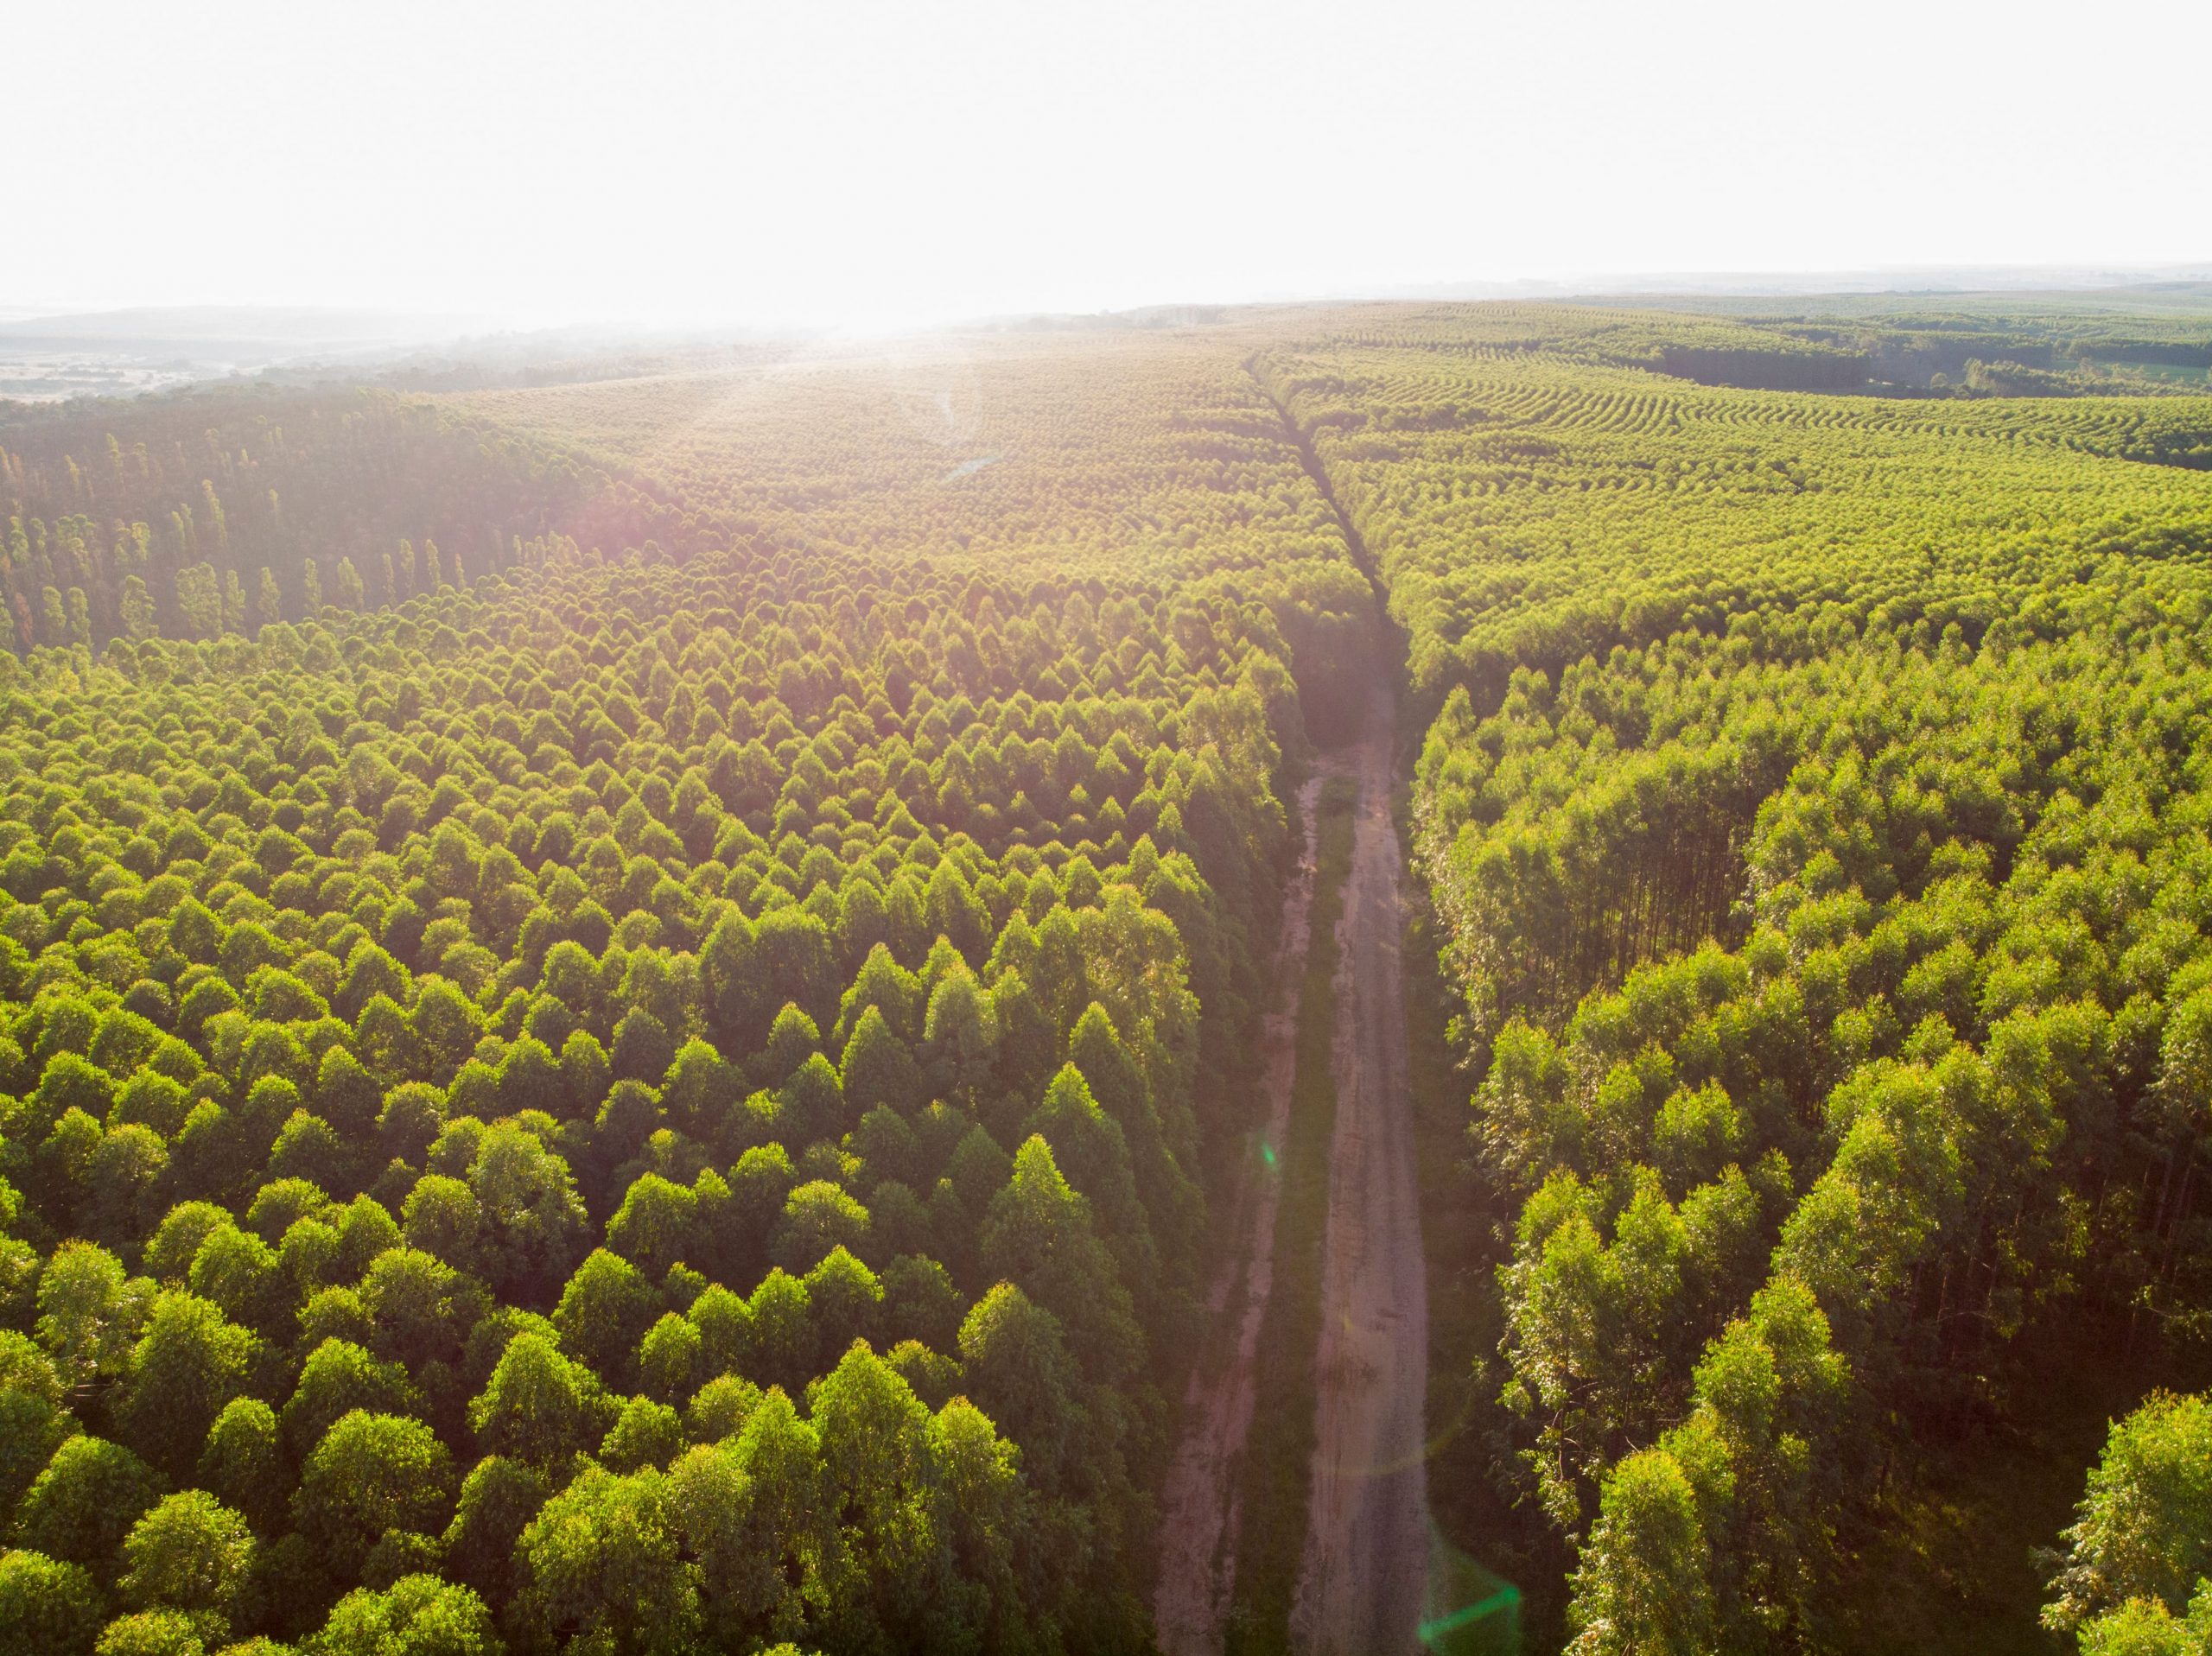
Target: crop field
<point>632,1011</point>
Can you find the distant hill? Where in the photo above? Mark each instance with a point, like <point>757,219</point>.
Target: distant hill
<point>275,331</point>
<point>51,358</point>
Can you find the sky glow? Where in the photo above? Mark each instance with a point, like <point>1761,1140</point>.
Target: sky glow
<point>861,162</point>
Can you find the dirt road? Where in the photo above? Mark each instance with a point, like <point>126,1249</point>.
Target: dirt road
<point>1197,1532</point>
<point>1364,1572</point>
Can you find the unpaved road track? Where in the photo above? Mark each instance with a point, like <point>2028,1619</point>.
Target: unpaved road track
<point>1198,1531</point>
<point>1366,1568</point>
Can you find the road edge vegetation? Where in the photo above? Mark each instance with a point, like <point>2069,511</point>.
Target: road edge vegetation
<point>1275,1480</point>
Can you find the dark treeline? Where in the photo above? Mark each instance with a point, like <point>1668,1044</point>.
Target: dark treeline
<point>203,513</point>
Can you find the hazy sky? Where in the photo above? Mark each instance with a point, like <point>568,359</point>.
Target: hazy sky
<point>826,158</point>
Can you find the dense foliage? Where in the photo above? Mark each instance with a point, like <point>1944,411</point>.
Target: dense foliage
<point>1530,509</point>
<point>644,1101</point>
<point>198,514</point>
<point>649,1079</point>
<point>1096,450</point>
<point>1818,811</point>
<point>2133,1576</point>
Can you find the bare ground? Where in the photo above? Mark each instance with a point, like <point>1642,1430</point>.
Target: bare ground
<point>1197,1533</point>
<point>1364,1572</point>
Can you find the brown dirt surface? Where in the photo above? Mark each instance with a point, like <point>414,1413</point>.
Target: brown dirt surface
<point>1364,1573</point>
<point>1198,1531</point>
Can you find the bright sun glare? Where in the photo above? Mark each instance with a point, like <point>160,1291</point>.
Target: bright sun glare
<point>878,165</point>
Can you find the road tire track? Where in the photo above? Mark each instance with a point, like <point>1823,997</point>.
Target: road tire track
<point>1198,1516</point>
<point>1364,1573</point>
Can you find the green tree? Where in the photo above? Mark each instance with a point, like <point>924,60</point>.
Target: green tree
<point>878,1069</point>
<point>646,1433</point>
<point>1089,1146</point>
<point>371,1473</point>
<point>2144,1529</point>
<point>846,1300</point>
<point>605,1565</point>
<point>533,1225</point>
<point>539,1407</point>
<point>48,1608</point>
<point>80,1508</point>
<point>350,594</point>
<point>655,1226</point>
<point>416,1616</point>
<point>750,1511</point>
<point>603,1314</point>
<point>497,1498</point>
<point>244,1462</point>
<point>32,1427</point>
<point>880,1475</point>
<point>987,1518</point>
<point>1019,1371</point>
<point>422,1308</point>
<point>2145,1627</point>
<point>189,1364</point>
<point>239,1273</point>
<point>442,1217</point>
<point>154,1633</point>
<point>338,1378</point>
<point>779,1331</point>
<point>1116,1081</point>
<point>137,608</point>
<point>1038,1235</point>
<point>89,1314</point>
<point>818,1217</point>
<point>189,1553</point>
<point>960,1039</point>
<point>1641,1588</point>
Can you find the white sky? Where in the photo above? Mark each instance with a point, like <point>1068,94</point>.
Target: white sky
<point>846,159</point>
